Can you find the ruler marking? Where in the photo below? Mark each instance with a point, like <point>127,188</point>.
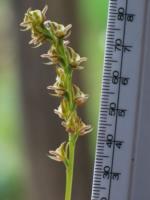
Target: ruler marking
<point>118,99</point>
<point>109,51</point>
<point>103,118</point>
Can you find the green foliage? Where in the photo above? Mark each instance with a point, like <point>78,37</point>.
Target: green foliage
<point>11,186</point>
<point>11,163</point>
<point>94,12</point>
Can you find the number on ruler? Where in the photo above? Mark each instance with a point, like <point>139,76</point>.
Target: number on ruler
<point>110,141</point>
<point>108,174</point>
<point>116,78</point>
<point>113,111</point>
<point>122,15</point>
<point>120,46</point>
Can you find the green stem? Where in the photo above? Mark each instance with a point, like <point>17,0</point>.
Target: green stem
<point>62,51</point>
<point>70,168</point>
<point>70,90</point>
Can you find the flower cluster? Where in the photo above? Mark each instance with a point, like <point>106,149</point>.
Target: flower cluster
<point>33,20</point>
<point>66,61</point>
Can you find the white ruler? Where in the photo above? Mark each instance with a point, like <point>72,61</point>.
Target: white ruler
<point>123,141</point>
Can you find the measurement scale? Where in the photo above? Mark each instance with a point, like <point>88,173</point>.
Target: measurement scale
<point>122,139</point>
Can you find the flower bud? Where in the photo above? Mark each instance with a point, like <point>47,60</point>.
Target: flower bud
<point>71,124</point>
<point>32,21</point>
<point>80,97</point>
<point>59,85</point>
<point>84,129</point>
<point>59,154</point>
<point>75,59</point>
<point>34,18</point>
<point>52,56</point>
<point>74,125</point>
<point>59,30</point>
<point>63,109</point>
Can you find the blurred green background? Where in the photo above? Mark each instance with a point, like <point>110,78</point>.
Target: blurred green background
<point>14,161</point>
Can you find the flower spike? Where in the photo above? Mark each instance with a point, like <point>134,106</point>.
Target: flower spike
<point>71,97</point>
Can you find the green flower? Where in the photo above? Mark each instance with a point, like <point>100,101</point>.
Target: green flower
<point>74,125</point>
<point>59,30</point>
<point>60,154</point>
<point>74,59</point>
<point>52,55</point>
<point>34,18</point>
<point>63,110</point>
<point>59,85</point>
<point>80,97</point>
<point>33,21</point>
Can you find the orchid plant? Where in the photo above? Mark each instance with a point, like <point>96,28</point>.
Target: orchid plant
<point>71,97</point>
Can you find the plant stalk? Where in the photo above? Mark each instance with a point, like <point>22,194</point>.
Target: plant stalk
<point>70,168</point>
<point>66,59</point>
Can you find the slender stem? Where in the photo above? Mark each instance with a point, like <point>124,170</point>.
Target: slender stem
<point>70,168</point>
<point>70,91</point>
<point>72,137</point>
<point>64,55</point>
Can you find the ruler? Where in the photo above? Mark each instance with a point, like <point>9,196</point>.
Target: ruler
<point>123,143</point>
